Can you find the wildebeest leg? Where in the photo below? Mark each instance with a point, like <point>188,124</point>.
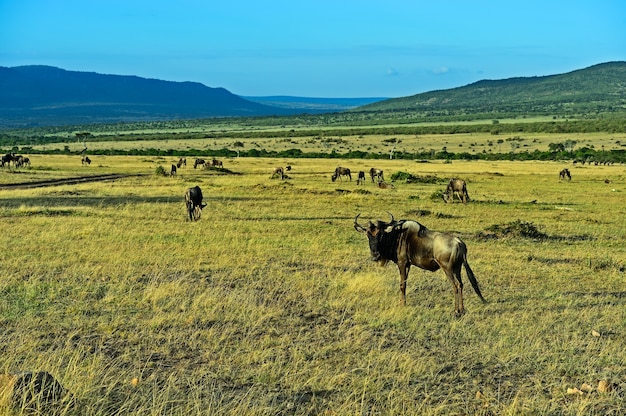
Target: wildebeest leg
<point>404,274</point>
<point>457,286</point>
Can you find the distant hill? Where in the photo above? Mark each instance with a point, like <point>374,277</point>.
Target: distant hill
<point>597,89</point>
<point>314,105</point>
<point>45,95</point>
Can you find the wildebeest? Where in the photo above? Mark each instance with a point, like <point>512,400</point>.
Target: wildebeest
<point>8,158</point>
<point>456,187</point>
<point>565,173</point>
<point>173,171</point>
<point>339,172</point>
<point>360,180</point>
<point>376,173</point>
<point>217,163</point>
<point>385,185</point>
<point>18,161</point>
<point>288,168</point>
<point>193,202</point>
<point>279,171</point>
<point>198,162</point>
<point>182,162</point>
<point>86,160</point>
<point>408,243</point>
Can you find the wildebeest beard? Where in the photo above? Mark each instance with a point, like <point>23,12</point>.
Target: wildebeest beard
<point>387,241</point>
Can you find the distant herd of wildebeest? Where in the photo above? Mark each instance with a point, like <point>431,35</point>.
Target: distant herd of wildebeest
<point>404,242</point>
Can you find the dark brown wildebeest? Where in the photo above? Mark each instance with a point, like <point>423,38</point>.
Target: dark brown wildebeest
<point>360,180</point>
<point>339,172</point>
<point>173,171</point>
<point>193,202</point>
<point>279,171</point>
<point>86,160</point>
<point>217,163</point>
<point>182,162</point>
<point>198,162</point>
<point>409,243</point>
<point>288,168</point>
<point>456,187</point>
<point>565,174</point>
<point>7,159</point>
<point>376,173</point>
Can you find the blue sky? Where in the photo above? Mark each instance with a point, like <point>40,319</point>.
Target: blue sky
<point>321,48</point>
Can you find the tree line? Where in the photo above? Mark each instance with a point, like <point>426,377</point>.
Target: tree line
<point>556,152</point>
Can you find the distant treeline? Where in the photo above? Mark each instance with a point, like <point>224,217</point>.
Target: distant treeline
<point>584,154</point>
<point>606,125</point>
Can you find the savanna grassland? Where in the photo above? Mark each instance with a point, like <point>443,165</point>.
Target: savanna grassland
<point>269,304</point>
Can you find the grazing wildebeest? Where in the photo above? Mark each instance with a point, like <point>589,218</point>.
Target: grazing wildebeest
<point>18,161</point>
<point>26,161</point>
<point>173,171</point>
<point>198,162</point>
<point>565,174</point>
<point>86,160</point>
<point>279,171</point>
<point>182,162</point>
<point>193,202</point>
<point>378,174</point>
<point>385,185</point>
<point>217,163</point>
<point>456,187</point>
<point>409,243</point>
<point>339,172</point>
<point>360,180</point>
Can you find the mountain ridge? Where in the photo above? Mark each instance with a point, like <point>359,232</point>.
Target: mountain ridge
<point>40,94</point>
<point>598,88</point>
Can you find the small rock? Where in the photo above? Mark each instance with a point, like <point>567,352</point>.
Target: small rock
<point>604,386</point>
<point>574,391</point>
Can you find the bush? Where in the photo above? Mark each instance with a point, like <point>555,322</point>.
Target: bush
<point>160,171</point>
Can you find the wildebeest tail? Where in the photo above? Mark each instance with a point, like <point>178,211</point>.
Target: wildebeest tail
<point>472,278</point>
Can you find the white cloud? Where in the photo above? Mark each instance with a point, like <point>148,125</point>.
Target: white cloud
<point>440,70</point>
<point>391,72</point>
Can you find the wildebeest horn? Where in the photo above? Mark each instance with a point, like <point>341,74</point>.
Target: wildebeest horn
<point>358,226</point>
<point>391,215</point>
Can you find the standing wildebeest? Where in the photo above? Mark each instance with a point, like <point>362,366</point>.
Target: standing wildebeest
<point>456,187</point>
<point>173,171</point>
<point>360,180</point>
<point>565,174</point>
<point>198,162</point>
<point>193,202</point>
<point>217,163</point>
<point>182,162</point>
<point>7,159</point>
<point>409,243</point>
<point>378,174</point>
<point>339,172</point>
<point>86,160</point>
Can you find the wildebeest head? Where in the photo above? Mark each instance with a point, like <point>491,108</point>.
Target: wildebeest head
<point>382,237</point>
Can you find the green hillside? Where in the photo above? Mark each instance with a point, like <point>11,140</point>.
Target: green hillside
<point>597,89</point>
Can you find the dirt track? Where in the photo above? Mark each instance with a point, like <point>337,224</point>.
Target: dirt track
<point>67,181</point>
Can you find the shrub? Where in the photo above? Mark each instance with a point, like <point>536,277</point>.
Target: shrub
<point>160,171</point>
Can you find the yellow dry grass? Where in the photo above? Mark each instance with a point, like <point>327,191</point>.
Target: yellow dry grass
<point>269,304</point>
